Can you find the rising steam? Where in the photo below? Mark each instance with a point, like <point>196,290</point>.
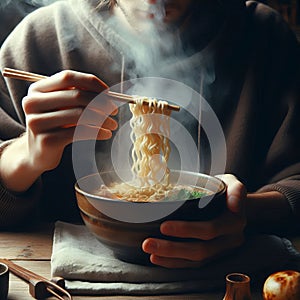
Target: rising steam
<point>155,49</point>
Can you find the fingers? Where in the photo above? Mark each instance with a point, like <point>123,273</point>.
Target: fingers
<point>201,241</point>
<point>90,132</point>
<point>172,254</point>
<point>98,119</point>
<point>53,101</point>
<point>57,106</point>
<point>227,223</point>
<point>69,117</point>
<point>236,193</point>
<point>68,99</point>
<point>68,79</point>
<point>210,239</point>
<point>68,89</point>
<point>172,263</point>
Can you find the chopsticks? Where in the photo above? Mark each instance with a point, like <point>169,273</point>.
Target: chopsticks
<point>39,287</point>
<point>22,75</point>
<point>32,77</point>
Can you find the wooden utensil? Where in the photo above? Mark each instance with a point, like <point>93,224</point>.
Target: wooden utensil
<point>32,77</point>
<point>39,287</point>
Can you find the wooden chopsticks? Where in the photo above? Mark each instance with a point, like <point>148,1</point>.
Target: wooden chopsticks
<point>32,77</point>
<point>39,287</point>
<point>22,75</point>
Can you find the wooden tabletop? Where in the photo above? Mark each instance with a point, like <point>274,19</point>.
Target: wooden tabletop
<point>32,249</point>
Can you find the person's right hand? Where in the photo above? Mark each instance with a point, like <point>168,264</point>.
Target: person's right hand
<point>53,107</point>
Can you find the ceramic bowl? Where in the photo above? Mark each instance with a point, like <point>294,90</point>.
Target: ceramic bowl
<point>4,281</point>
<point>123,226</point>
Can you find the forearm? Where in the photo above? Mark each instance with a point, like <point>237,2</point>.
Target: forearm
<point>17,172</point>
<point>268,211</point>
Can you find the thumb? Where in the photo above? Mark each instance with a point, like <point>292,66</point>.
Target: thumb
<point>236,193</point>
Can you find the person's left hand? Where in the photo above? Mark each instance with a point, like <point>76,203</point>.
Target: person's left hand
<point>210,238</point>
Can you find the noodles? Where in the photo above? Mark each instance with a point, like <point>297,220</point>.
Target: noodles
<point>150,132</point>
<point>150,136</point>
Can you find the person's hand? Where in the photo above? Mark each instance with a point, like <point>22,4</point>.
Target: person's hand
<point>210,238</point>
<point>53,107</point>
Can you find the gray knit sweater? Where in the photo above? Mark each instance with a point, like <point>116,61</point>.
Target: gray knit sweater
<point>252,83</point>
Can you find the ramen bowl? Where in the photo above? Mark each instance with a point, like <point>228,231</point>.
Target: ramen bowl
<point>122,225</point>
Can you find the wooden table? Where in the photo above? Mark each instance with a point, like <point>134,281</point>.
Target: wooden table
<point>32,248</point>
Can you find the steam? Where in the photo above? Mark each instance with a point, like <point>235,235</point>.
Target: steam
<point>158,10</point>
<point>154,48</point>
<point>149,44</point>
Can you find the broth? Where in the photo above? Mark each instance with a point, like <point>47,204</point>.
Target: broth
<point>155,193</point>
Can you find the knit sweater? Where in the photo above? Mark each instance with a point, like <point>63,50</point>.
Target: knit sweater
<point>251,82</point>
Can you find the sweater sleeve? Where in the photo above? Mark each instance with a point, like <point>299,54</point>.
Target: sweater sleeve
<point>290,189</point>
<point>16,52</point>
<point>282,89</point>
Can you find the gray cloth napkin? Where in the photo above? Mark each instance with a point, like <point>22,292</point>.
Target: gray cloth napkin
<point>91,269</point>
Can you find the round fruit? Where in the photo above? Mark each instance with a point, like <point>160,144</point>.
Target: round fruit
<point>282,285</point>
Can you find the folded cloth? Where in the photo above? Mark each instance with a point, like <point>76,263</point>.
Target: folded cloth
<point>90,268</point>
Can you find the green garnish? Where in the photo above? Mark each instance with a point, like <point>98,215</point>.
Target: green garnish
<point>185,194</point>
<point>197,194</point>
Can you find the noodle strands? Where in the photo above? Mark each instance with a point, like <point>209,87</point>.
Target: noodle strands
<point>150,131</point>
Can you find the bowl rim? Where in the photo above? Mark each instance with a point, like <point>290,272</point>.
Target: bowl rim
<point>222,189</point>
<point>3,268</point>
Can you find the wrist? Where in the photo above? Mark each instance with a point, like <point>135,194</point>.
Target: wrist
<point>17,171</point>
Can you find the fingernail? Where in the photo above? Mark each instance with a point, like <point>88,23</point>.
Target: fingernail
<point>152,246</point>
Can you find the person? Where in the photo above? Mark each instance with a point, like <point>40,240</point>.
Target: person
<point>251,60</point>
<point>12,12</point>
